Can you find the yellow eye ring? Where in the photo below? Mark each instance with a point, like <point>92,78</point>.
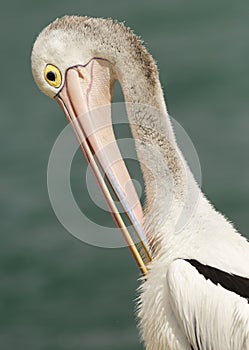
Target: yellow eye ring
<point>53,76</point>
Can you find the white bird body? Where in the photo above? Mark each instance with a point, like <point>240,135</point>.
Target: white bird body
<point>178,296</point>
<point>183,305</point>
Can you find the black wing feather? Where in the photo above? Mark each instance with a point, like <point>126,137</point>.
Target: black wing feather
<point>231,282</point>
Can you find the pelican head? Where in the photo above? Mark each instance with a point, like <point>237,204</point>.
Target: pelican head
<point>72,41</point>
<point>65,44</point>
<point>76,60</point>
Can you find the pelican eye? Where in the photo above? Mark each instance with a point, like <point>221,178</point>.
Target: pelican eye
<point>53,76</point>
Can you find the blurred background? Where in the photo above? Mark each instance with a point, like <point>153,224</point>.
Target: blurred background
<point>55,291</point>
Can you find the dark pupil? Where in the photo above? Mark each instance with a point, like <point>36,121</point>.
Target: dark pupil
<point>51,76</point>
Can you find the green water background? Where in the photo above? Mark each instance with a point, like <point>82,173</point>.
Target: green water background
<point>55,291</point>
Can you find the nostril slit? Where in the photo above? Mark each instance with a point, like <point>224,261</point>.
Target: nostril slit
<point>80,73</point>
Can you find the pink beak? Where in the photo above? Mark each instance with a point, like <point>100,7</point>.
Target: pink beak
<point>86,101</point>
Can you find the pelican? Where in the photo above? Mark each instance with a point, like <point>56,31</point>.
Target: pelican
<point>195,289</point>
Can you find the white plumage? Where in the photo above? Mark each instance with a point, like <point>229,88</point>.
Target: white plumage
<point>196,293</point>
<point>186,307</point>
